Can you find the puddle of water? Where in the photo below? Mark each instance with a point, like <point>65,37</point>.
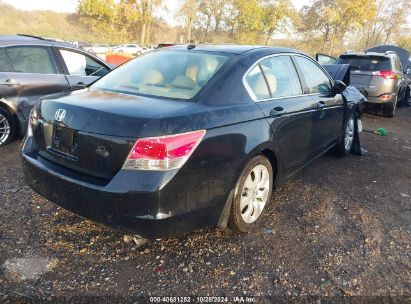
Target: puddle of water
<point>29,268</point>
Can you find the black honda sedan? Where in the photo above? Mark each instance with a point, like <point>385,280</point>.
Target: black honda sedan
<point>187,137</point>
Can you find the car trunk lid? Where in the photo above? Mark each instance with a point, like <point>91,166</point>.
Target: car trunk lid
<point>92,132</point>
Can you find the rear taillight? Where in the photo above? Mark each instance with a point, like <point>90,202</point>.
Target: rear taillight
<point>164,152</point>
<point>385,97</point>
<point>386,74</point>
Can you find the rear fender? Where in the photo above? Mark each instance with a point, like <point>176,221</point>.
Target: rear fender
<point>13,109</point>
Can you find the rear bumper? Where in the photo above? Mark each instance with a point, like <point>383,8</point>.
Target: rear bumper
<point>378,100</point>
<point>149,204</point>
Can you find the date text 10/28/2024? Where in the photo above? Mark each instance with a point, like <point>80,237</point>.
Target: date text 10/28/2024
<point>206,299</point>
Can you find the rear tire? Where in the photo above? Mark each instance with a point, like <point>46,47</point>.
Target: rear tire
<point>252,194</point>
<point>8,127</point>
<point>406,100</point>
<point>346,141</point>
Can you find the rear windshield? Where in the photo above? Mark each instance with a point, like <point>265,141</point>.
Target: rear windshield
<point>366,63</point>
<point>173,74</point>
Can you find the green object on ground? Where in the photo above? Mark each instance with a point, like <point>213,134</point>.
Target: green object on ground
<point>382,131</point>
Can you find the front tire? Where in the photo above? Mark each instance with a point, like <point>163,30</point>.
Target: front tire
<point>8,127</point>
<point>345,144</point>
<point>251,195</point>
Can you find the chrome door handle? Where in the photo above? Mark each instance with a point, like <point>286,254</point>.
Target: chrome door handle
<point>320,105</point>
<point>10,83</point>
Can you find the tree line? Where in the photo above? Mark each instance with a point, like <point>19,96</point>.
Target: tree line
<point>324,25</point>
<point>327,26</point>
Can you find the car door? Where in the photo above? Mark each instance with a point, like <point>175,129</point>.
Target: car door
<point>274,85</point>
<point>330,106</point>
<point>32,73</point>
<point>79,67</point>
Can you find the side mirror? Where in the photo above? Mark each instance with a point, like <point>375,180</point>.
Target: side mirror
<point>79,86</point>
<point>408,71</point>
<point>339,86</point>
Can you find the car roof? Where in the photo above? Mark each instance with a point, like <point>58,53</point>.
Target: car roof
<point>231,49</point>
<point>21,39</point>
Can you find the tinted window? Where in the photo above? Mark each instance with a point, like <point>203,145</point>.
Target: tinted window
<point>31,59</point>
<point>316,80</point>
<point>256,81</point>
<point>174,74</point>
<point>81,65</point>
<point>371,63</point>
<point>4,62</point>
<point>281,76</point>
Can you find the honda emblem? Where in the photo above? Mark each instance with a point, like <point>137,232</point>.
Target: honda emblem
<point>60,114</point>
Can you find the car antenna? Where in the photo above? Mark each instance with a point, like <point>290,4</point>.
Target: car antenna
<point>191,46</point>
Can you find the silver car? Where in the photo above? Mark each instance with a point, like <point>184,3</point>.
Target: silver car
<point>381,75</point>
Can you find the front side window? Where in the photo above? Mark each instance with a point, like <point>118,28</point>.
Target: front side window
<point>31,59</point>
<point>5,65</point>
<point>81,65</point>
<point>317,81</point>
<point>173,74</point>
<point>274,77</point>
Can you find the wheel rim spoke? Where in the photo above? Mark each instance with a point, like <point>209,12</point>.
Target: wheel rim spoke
<point>349,134</point>
<point>4,129</point>
<point>254,194</point>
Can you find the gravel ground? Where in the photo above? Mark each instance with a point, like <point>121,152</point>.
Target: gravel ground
<point>340,228</point>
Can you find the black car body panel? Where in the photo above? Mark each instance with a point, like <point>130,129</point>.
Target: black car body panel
<point>339,72</point>
<point>91,182</point>
<point>19,89</point>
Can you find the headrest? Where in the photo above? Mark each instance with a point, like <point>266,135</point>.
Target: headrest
<point>183,82</point>
<point>153,77</point>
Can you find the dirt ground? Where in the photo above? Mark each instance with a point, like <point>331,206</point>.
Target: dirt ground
<point>340,228</point>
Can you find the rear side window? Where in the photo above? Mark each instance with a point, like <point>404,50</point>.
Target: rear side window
<point>5,65</point>
<point>81,65</point>
<point>281,76</point>
<point>256,81</point>
<point>274,77</point>
<point>31,59</point>
<point>317,81</point>
<point>371,63</point>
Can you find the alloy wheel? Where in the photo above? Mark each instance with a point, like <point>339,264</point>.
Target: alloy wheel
<point>254,194</point>
<point>349,134</point>
<point>4,129</point>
